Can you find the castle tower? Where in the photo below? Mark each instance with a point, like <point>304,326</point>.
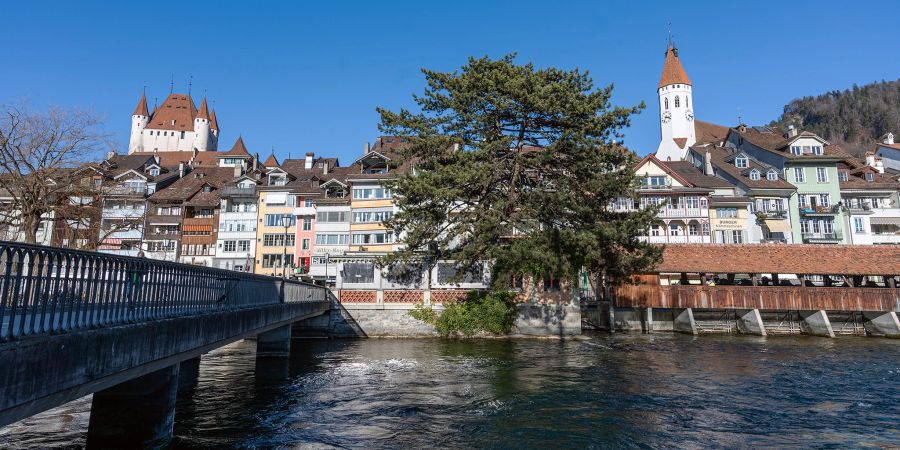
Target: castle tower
<point>202,128</point>
<point>139,120</point>
<point>676,114</point>
<point>214,127</point>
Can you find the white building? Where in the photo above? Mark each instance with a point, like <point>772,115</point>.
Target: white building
<point>176,125</point>
<point>236,241</point>
<point>869,199</point>
<point>332,229</point>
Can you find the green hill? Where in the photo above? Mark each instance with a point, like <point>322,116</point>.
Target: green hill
<point>853,118</point>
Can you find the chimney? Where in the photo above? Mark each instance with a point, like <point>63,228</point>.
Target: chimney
<point>870,159</point>
<point>707,164</point>
<point>366,149</point>
<point>791,132</point>
<point>325,166</point>
<point>181,170</point>
<point>156,158</point>
<point>238,169</point>
<point>110,154</point>
<point>889,138</point>
<point>255,161</point>
<point>309,161</point>
<point>742,128</point>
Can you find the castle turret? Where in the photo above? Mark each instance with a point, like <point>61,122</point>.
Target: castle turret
<point>214,127</point>
<point>676,114</point>
<point>202,128</point>
<point>139,120</point>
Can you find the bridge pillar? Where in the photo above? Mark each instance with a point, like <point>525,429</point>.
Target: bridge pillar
<point>684,321</point>
<point>816,323</point>
<point>882,324</point>
<point>275,343</point>
<point>750,322</point>
<point>139,413</point>
<point>648,320</point>
<point>188,374</point>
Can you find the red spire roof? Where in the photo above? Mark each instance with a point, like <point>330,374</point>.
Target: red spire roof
<point>141,109</point>
<point>213,124</point>
<point>238,149</point>
<point>271,161</point>
<point>204,112</point>
<point>673,72</point>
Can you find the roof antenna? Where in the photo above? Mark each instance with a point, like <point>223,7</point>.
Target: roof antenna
<point>172,84</point>
<point>145,89</point>
<point>190,82</point>
<point>739,115</point>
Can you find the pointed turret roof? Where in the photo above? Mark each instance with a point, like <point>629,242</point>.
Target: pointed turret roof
<point>238,149</point>
<point>141,109</point>
<point>204,112</point>
<point>213,123</point>
<point>673,72</point>
<point>271,161</point>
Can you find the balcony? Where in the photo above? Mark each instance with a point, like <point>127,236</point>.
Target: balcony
<point>772,214</point>
<point>819,211</point>
<point>305,211</point>
<point>125,191</point>
<point>163,220</point>
<point>234,191</point>
<point>822,238</point>
<point>683,212</point>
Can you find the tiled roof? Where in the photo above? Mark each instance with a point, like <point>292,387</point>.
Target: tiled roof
<point>176,113</point>
<point>213,123</point>
<point>141,109</point>
<point>856,177</point>
<point>673,72</point>
<point>237,150</point>
<point>773,140</point>
<point>694,176</point>
<point>709,132</point>
<point>723,159</point>
<point>204,111</point>
<point>781,258</point>
<point>171,159</point>
<point>189,185</point>
<point>271,161</point>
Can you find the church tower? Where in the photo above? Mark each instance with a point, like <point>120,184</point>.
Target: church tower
<point>139,120</point>
<point>676,114</point>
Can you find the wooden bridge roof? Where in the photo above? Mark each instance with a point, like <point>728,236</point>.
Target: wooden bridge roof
<point>781,258</point>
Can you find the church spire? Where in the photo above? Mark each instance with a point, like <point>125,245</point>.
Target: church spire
<point>673,72</point>
<point>141,109</point>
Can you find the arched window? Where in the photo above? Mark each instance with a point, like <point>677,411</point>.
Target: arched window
<point>677,102</point>
<point>666,101</point>
<point>687,101</point>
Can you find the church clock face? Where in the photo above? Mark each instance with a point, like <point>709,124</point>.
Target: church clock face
<point>689,115</point>
<point>666,117</point>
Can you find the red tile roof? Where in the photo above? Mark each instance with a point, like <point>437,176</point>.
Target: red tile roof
<point>171,159</point>
<point>709,132</point>
<point>141,109</point>
<point>238,149</point>
<point>213,123</point>
<point>781,258</point>
<point>271,161</point>
<point>673,72</point>
<point>204,112</point>
<point>176,113</point>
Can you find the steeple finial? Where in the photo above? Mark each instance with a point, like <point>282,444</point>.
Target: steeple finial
<point>172,84</point>
<point>671,44</point>
<point>190,83</point>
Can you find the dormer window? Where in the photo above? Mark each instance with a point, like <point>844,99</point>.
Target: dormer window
<point>796,150</point>
<point>772,175</point>
<point>741,162</point>
<point>154,172</point>
<point>843,175</point>
<point>816,150</point>
<point>207,189</point>
<point>870,177</point>
<point>754,175</point>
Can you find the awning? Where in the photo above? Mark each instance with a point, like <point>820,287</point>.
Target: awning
<point>200,228</point>
<point>778,226</point>
<point>112,241</point>
<point>885,221</point>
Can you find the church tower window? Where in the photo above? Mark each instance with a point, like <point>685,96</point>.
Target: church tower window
<point>677,102</point>
<point>666,101</point>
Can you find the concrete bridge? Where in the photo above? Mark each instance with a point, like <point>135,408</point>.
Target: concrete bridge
<point>130,331</point>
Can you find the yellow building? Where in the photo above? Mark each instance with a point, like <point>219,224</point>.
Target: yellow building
<point>276,229</point>
<point>371,204</point>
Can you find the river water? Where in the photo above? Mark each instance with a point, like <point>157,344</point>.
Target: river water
<point>627,391</point>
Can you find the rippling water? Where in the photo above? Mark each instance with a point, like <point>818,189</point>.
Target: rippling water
<point>627,391</point>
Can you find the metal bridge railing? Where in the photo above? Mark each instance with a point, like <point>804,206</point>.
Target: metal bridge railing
<point>47,290</point>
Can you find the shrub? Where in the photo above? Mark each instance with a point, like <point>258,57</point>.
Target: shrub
<point>490,312</point>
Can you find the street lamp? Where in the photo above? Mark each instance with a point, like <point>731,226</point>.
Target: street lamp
<point>286,223</point>
<point>327,260</point>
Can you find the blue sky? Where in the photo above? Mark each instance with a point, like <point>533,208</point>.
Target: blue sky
<point>307,77</point>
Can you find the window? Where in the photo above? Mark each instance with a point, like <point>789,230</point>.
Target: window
<point>243,246</point>
<point>692,202</point>
<point>737,236</point>
<point>801,200</point>
<point>274,260</point>
<point>331,216</point>
<point>655,230</point>
<point>693,230</point>
<point>358,272</point>
<point>447,273</point>
<point>280,220</point>
<point>799,175</point>
<point>687,101</point>
<point>308,203</point>
<point>371,193</point>
<point>705,227</point>
<point>870,177</point>
<point>843,175</point>
<point>824,200</point>
<point>754,175</point>
<point>230,246</point>
<point>372,216</point>
<point>674,229</point>
<point>703,202</point>
<point>821,174</point>
<point>828,226</point>
<point>304,244</point>
<point>677,102</point>
<point>278,240</point>
<point>804,226</point>
<point>807,149</point>
<point>655,181</point>
<point>726,213</point>
<point>795,150</point>
<point>772,175</point>
<point>740,162</point>
<point>332,239</point>
<point>666,102</point>
<point>307,223</point>
<point>859,225</point>
<point>154,172</point>
<point>373,238</point>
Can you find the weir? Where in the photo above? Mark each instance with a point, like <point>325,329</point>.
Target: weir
<point>130,331</point>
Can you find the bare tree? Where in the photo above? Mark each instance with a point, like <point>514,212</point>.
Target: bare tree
<point>38,154</point>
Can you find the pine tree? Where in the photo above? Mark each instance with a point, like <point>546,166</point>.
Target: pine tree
<point>517,166</point>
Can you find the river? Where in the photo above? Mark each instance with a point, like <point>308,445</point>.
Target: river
<point>627,391</point>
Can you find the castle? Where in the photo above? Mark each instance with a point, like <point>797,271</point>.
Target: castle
<point>175,126</point>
